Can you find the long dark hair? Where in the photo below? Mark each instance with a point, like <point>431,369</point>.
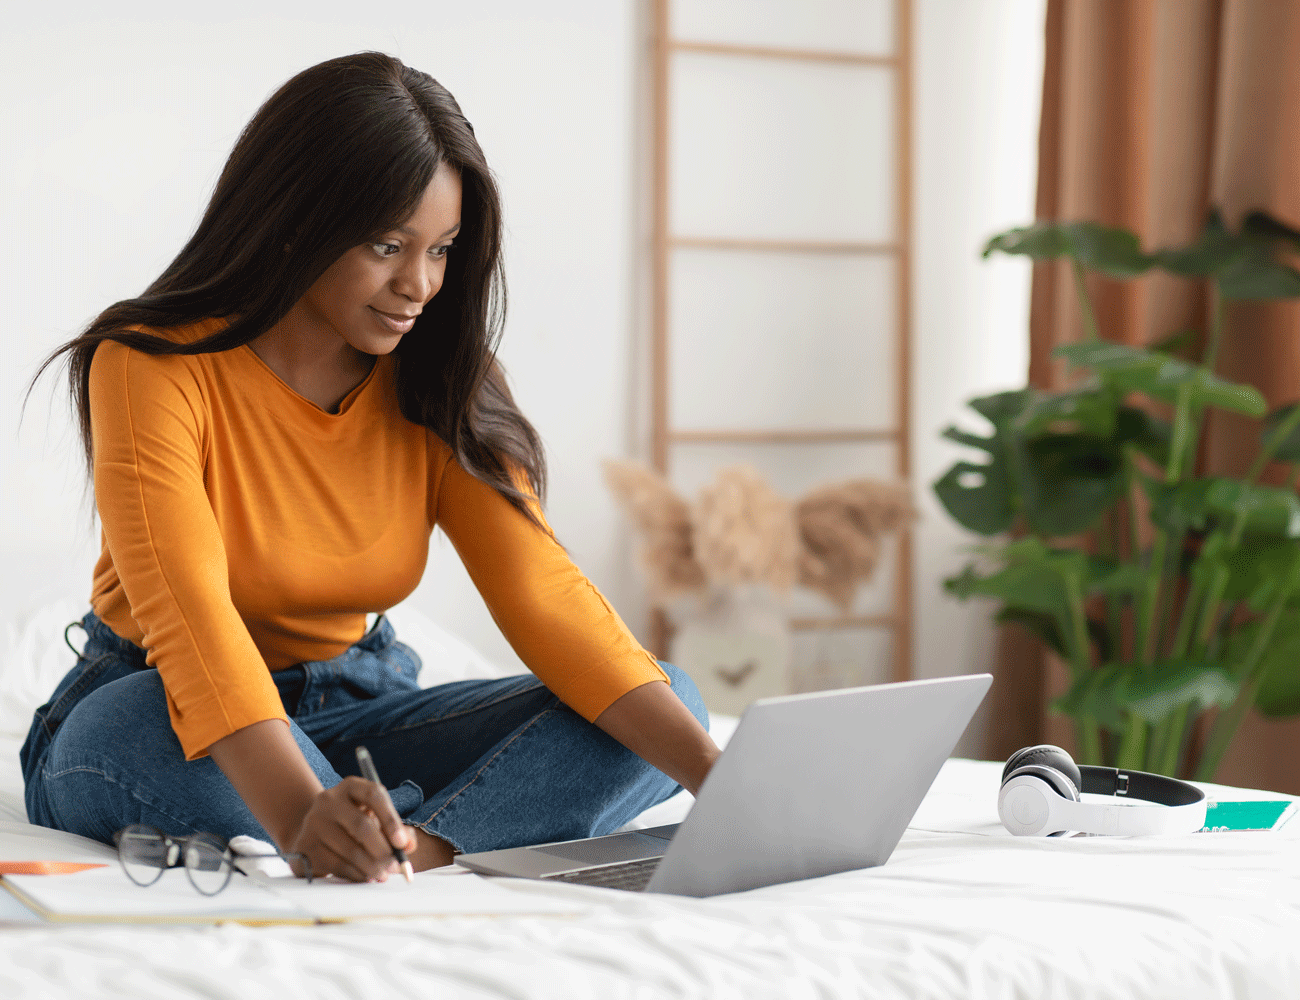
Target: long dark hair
<point>338,155</point>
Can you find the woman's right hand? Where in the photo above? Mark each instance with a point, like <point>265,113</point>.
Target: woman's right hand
<point>350,831</point>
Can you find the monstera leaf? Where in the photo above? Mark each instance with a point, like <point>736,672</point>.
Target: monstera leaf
<point>1113,252</point>
<point>1034,583</point>
<point>1092,411</point>
<point>1279,691</point>
<point>1195,504</point>
<point>1161,376</point>
<point>1150,435</point>
<point>1257,568</point>
<point>984,497</point>
<point>1034,580</point>
<point>1215,249</point>
<point>1109,693</point>
<point>1257,273</point>
<point>1068,480</point>
<point>1044,627</point>
<point>1245,264</point>
<point>1288,449</point>
<point>1178,509</point>
<point>1060,482</point>
<point>1033,577</point>
<point>1266,510</point>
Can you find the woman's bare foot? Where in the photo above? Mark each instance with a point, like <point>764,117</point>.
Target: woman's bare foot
<point>430,851</point>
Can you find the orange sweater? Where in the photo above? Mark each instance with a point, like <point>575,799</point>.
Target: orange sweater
<point>245,530</point>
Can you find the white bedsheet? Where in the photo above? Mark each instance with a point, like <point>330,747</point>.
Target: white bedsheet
<point>961,910</point>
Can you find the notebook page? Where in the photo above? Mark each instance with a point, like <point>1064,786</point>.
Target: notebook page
<point>107,894</point>
<point>439,892</point>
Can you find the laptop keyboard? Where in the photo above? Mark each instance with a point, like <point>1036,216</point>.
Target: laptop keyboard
<point>631,875</point>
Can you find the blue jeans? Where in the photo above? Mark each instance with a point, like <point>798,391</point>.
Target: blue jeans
<point>482,764</point>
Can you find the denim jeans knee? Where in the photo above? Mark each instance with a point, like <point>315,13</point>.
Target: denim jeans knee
<point>106,657</point>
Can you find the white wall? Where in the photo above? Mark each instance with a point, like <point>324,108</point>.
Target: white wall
<point>978,88</point>
<point>115,125</point>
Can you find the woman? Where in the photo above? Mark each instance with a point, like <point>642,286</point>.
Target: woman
<point>275,427</point>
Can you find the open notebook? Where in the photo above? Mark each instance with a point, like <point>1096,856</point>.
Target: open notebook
<point>106,895</point>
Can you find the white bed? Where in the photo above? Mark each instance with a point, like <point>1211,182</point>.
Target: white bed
<point>960,910</point>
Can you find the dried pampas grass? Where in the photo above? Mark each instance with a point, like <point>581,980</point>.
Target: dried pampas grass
<point>841,527</point>
<point>744,531</point>
<point>740,531</point>
<point>664,520</point>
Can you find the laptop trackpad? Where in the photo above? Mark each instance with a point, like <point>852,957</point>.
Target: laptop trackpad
<point>607,850</point>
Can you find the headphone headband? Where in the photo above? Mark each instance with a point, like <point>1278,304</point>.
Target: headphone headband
<point>1139,785</point>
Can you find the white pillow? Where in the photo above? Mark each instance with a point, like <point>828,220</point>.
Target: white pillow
<point>444,657</point>
<point>33,657</point>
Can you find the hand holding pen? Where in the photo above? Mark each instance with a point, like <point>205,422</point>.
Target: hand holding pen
<point>367,765</point>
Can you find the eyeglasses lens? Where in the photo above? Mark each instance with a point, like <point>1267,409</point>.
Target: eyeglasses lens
<point>143,851</point>
<point>207,862</point>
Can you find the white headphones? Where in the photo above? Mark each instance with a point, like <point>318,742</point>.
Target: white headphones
<point>1040,797</point>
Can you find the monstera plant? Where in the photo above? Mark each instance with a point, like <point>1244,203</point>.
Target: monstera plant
<point>1168,594</point>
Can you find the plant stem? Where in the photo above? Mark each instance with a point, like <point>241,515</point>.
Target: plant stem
<point>1226,725</point>
<point>1218,582</point>
<point>1202,601</point>
<point>1156,747</point>
<point>1132,745</point>
<point>1086,728</point>
<point>1108,541</point>
<point>1088,734</point>
<point>1148,627</point>
<point>1183,434</point>
<point>1280,433</point>
<point>1165,607</point>
<point>1223,730</point>
<point>1150,595</point>
<point>1191,607</point>
<point>1211,356</point>
<point>1130,494</point>
<point>1175,725</point>
<point>1213,599</point>
<point>1085,304</point>
<point>1165,760</point>
<point>1080,649</point>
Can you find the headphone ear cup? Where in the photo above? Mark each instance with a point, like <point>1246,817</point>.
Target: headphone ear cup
<point>1025,800</point>
<point>1057,781</point>
<point>1046,755</point>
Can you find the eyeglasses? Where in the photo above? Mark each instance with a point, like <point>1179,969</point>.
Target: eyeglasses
<point>146,852</point>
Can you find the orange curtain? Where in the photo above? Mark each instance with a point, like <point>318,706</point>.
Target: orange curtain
<point>1154,111</point>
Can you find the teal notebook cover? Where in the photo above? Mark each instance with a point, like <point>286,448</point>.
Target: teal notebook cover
<point>1221,817</point>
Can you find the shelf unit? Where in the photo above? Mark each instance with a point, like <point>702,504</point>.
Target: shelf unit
<point>665,243</point>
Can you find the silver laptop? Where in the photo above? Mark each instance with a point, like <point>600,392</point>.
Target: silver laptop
<point>809,785</point>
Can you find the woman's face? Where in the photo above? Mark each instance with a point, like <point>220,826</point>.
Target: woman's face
<point>371,295</point>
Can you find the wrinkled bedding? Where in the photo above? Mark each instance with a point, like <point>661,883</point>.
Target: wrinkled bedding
<point>964,912</point>
<point>960,910</point>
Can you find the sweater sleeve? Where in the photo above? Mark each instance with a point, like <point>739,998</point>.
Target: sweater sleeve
<point>150,427</point>
<point>557,621</point>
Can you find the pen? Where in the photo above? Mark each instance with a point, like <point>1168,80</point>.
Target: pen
<point>367,765</point>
